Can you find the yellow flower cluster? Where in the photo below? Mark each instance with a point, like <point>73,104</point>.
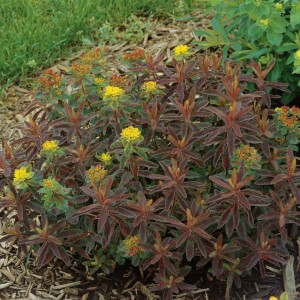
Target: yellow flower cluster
<point>273,298</point>
<point>113,92</point>
<point>181,50</point>
<point>297,54</point>
<point>96,173</point>
<point>264,22</point>
<point>132,245</point>
<point>131,134</point>
<point>50,146</point>
<point>278,6</point>
<point>149,86</point>
<point>49,183</point>
<point>22,174</point>
<point>106,158</point>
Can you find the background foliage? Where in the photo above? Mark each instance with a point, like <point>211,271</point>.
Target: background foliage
<point>265,30</point>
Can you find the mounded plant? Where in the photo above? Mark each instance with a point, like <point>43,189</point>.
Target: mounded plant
<point>175,165</point>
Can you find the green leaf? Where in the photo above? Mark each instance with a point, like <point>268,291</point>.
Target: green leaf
<point>278,24</point>
<point>293,139</point>
<point>258,53</point>
<point>237,46</point>
<point>128,150</point>
<point>274,38</point>
<point>255,32</point>
<point>123,161</point>
<point>192,175</point>
<point>203,33</point>
<point>116,144</point>
<point>290,35</point>
<point>239,54</point>
<point>141,152</point>
<point>291,59</point>
<point>295,15</point>
<point>296,71</point>
<point>217,26</point>
<point>276,71</point>
<point>286,47</point>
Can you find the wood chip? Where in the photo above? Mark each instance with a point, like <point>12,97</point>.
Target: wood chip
<point>71,291</point>
<point>85,296</point>
<point>5,285</point>
<point>46,295</point>
<point>62,286</point>
<point>8,274</point>
<point>33,297</point>
<point>289,278</point>
<point>19,89</point>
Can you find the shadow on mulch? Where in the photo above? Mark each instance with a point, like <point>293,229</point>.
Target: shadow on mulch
<point>127,282</point>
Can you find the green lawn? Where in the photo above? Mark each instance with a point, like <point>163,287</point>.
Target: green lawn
<point>33,33</point>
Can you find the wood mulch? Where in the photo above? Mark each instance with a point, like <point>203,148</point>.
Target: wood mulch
<point>20,279</point>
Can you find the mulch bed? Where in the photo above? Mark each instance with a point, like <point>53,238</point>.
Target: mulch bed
<point>19,278</point>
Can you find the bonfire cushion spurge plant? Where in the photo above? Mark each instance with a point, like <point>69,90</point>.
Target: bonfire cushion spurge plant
<point>173,166</point>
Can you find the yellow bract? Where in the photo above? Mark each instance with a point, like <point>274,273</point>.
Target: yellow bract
<point>264,22</point>
<point>181,50</point>
<point>297,54</point>
<point>113,92</point>
<point>149,86</point>
<point>273,298</point>
<point>131,134</point>
<point>106,157</point>
<point>50,146</point>
<point>278,6</point>
<point>21,175</point>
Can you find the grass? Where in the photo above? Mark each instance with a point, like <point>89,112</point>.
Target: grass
<point>34,33</point>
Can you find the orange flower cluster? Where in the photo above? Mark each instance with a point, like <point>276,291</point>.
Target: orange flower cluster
<point>91,56</point>
<point>248,155</point>
<point>118,80</point>
<point>50,80</point>
<point>132,245</point>
<point>288,116</point>
<point>134,55</point>
<point>99,80</point>
<point>81,70</point>
<point>280,140</point>
<point>96,173</point>
<point>295,111</point>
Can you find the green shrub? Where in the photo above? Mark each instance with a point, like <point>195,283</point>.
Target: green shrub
<point>173,165</point>
<point>260,29</point>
